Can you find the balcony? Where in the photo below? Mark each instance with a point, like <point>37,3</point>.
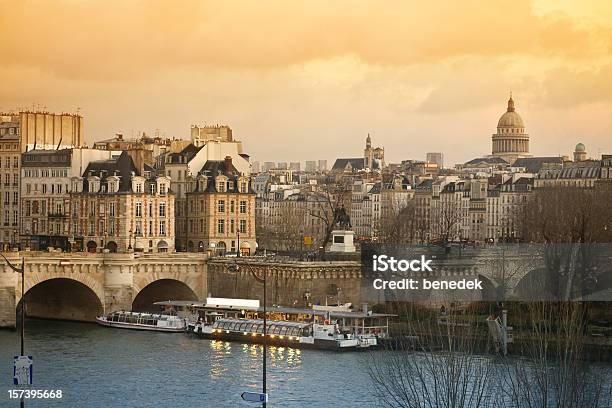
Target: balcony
<point>57,215</point>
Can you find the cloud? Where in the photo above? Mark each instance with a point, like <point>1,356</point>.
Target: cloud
<point>565,88</point>
<point>134,39</point>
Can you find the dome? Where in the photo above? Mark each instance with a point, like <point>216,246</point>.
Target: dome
<point>580,147</point>
<point>510,119</point>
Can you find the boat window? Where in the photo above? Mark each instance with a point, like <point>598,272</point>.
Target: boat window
<point>276,329</point>
<point>283,330</point>
<point>242,327</point>
<point>260,328</point>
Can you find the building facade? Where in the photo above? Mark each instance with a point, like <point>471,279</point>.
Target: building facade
<point>220,210</point>
<point>114,208</point>
<point>45,199</point>
<point>9,180</point>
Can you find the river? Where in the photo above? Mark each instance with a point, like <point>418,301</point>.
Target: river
<point>100,367</point>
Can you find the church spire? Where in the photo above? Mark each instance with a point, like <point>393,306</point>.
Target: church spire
<point>368,141</point>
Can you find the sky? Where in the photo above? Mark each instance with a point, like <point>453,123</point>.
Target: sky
<point>307,80</point>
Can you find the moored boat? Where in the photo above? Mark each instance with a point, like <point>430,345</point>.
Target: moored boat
<point>143,321</point>
<point>320,327</point>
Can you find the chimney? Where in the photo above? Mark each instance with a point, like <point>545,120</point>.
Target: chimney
<point>228,163</point>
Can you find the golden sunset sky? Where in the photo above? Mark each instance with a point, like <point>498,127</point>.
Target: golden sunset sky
<point>309,79</point>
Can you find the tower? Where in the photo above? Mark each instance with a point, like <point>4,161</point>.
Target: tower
<point>367,153</point>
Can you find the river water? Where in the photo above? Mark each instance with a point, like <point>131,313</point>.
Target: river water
<point>100,367</point>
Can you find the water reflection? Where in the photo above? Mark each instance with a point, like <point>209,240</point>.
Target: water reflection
<point>140,369</point>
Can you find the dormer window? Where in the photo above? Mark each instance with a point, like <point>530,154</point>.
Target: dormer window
<point>163,188</point>
<point>152,188</point>
<point>139,187</point>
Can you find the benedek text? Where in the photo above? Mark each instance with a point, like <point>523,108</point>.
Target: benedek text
<point>412,284</point>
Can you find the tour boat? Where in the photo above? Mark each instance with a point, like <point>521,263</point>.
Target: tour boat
<point>143,321</point>
<point>319,327</point>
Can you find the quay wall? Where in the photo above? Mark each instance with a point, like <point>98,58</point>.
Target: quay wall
<point>289,283</point>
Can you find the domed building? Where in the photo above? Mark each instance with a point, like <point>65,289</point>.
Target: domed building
<point>580,153</point>
<point>511,141</point>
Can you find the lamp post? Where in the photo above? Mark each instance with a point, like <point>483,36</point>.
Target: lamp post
<point>130,238</point>
<point>22,272</point>
<point>235,268</point>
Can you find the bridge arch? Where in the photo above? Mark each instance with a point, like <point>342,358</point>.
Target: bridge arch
<point>533,286</point>
<point>161,289</point>
<point>61,298</point>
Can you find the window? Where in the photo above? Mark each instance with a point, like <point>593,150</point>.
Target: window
<point>111,209</point>
<point>111,227</point>
<point>92,209</point>
<point>151,227</point>
<point>139,187</point>
<point>221,206</point>
<point>242,207</point>
<point>138,229</point>
<point>243,228</point>
<point>152,188</point>
<point>232,207</point>
<point>221,227</point>
<point>162,189</point>
<point>232,226</point>
<point>92,227</point>
<point>162,228</point>
<point>138,209</point>
<point>162,209</point>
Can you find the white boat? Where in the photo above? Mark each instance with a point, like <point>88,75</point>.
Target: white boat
<point>320,327</point>
<point>143,321</point>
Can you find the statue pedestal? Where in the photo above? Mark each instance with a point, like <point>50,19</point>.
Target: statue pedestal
<point>342,241</point>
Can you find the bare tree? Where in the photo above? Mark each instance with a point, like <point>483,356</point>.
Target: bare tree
<point>433,365</point>
<point>331,198</point>
<point>446,219</point>
<point>569,221</point>
<point>398,223</point>
<point>555,372</point>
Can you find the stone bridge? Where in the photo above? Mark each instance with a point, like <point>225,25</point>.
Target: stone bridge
<point>80,286</point>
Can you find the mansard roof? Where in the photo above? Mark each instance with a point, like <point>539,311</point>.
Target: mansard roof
<point>535,164</point>
<point>123,166</point>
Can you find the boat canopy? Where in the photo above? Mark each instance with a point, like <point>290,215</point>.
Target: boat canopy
<point>278,327</point>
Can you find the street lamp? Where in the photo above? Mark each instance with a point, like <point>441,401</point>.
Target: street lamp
<point>130,238</point>
<point>22,272</point>
<point>236,268</point>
